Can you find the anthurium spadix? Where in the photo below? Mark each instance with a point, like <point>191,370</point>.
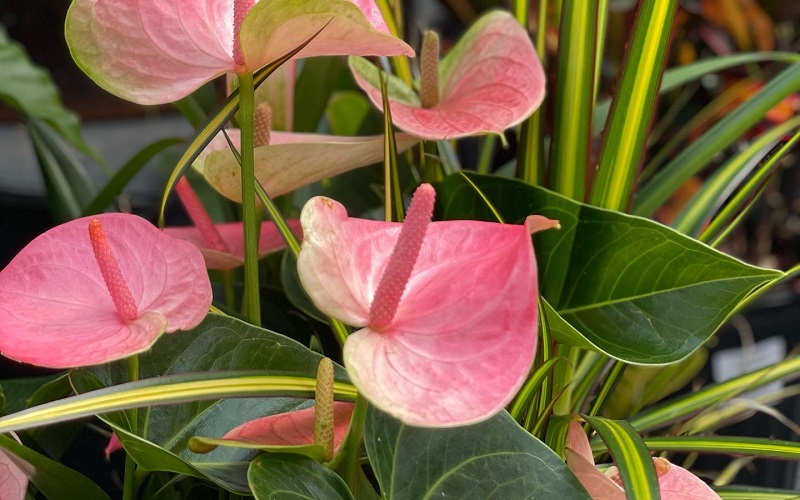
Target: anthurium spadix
<point>97,289</point>
<point>674,482</point>
<point>290,160</point>
<point>448,309</point>
<point>491,80</point>
<point>157,51</point>
<point>222,245</point>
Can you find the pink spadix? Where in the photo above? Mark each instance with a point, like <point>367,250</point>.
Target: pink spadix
<point>447,310</point>
<point>404,256</point>
<point>98,289</point>
<point>200,218</point>
<point>112,276</point>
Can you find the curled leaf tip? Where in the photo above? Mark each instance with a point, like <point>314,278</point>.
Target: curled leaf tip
<point>404,256</point>
<point>112,276</point>
<point>538,223</point>
<point>199,446</point>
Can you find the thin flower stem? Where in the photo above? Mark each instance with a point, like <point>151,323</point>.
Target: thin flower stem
<point>230,292</point>
<point>530,160</point>
<point>129,480</point>
<point>353,444</point>
<point>563,377</point>
<point>249,219</point>
<point>486,154</point>
<point>607,388</point>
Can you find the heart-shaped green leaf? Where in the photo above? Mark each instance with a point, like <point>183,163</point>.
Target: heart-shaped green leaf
<point>633,289</point>
<point>220,343</point>
<point>273,476</point>
<point>495,459</point>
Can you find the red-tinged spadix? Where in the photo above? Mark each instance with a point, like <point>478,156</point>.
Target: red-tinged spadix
<point>98,289</point>
<point>13,481</point>
<point>222,245</point>
<point>157,51</point>
<point>291,160</point>
<point>448,309</point>
<point>674,482</point>
<point>490,81</point>
<point>292,429</point>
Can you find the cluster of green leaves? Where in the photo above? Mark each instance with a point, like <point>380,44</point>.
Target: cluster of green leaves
<point>618,291</point>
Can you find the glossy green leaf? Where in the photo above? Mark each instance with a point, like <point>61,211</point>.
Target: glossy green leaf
<point>346,112</point>
<point>695,156</point>
<point>632,288</point>
<point>633,106</point>
<point>54,480</point>
<point>495,459</point>
<point>630,456</point>
<point>29,89</point>
<point>689,404</point>
<point>220,343</point>
<point>278,476</point>
<point>569,151</point>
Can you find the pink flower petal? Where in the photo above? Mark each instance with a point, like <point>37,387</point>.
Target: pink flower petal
<point>295,428</point>
<point>599,486</point>
<point>464,335</point>
<point>680,484</point>
<point>56,311</point>
<point>114,444</point>
<point>490,81</point>
<point>578,441</point>
<point>232,234</point>
<point>292,160</point>
<point>157,51</point>
<point>13,481</point>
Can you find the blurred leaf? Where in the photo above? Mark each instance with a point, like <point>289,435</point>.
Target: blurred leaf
<point>495,459</point>
<point>694,157</point>
<point>313,89</point>
<point>53,480</point>
<point>294,289</point>
<point>733,445</point>
<point>634,289</point>
<point>640,386</point>
<point>683,406</point>
<point>754,493</point>
<point>626,131</point>
<point>569,151</point>
<point>29,89</point>
<point>116,184</point>
<point>347,111</point>
<point>18,391</point>
<point>730,176</point>
<point>276,476</point>
<point>631,456</point>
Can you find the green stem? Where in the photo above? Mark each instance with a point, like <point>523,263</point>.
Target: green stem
<point>230,292</point>
<point>563,377</point>
<point>530,158</point>
<point>486,154</point>
<point>607,388</point>
<point>353,443</point>
<point>129,480</point>
<point>249,216</point>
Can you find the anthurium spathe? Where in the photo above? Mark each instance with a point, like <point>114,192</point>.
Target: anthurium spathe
<point>13,481</point>
<point>448,309</point>
<point>98,289</point>
<point>491,80</point>
<point>291,160</point>
<point>222,245</point>
<point>674,482</point>
<point>157,51</point>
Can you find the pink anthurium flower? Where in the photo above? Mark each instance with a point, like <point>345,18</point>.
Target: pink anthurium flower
<point>448,309</point>
<point>98,289</point>
<point>13,481</point>
<point>114,444</point>
<point>157,51</point>
<point>281,432</point>
<point>491,80</point>
<point>290,160</point>
<point>674,482</point>
<point>222,245</point>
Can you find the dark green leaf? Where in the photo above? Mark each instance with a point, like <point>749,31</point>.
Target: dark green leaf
<point>632,288</point>
<point>55,481</point>
<point>283,476</point>
<point>495,459</point>
<point>755,493</point>
<point>314,87</point>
